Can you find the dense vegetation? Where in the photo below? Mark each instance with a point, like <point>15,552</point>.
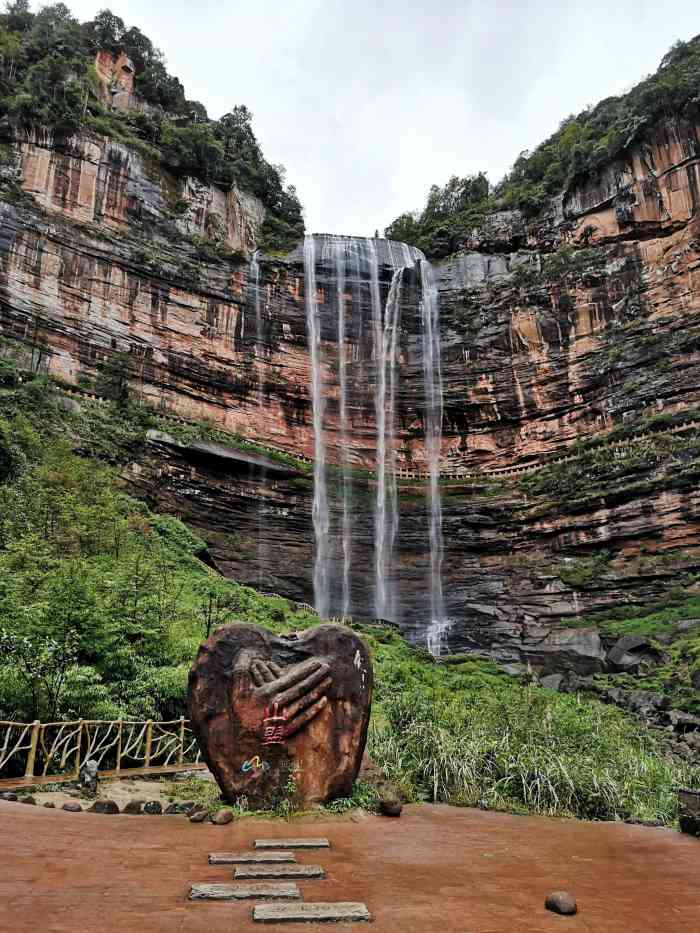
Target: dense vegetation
<point>48,78</point>
<point>103,604</point>
<point>449,215</point>
<point>580,146</point>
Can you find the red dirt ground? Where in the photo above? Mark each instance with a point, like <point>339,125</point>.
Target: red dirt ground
<point>434,870</point>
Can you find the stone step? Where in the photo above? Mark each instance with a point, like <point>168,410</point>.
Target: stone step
<point>292,844</point>
<point>244,892</point>
<point>310,913</point>
<point>245,858</point>
<point>247,872</point>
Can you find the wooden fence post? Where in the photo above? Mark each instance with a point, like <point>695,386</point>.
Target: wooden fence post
<point>120,723</point>
<point>149,742</point>
<point>181,756</point>
<point>31,757</point>
<point>78,748</point>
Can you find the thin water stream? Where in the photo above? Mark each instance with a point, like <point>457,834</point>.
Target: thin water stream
<point>352,267</point>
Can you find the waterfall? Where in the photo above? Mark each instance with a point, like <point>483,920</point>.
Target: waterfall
<point>254,287</point>
<point>386,510</point>
<point>432,378</point>
<point>321,519</point>
<point>340,261</point>
<point>350,273</point>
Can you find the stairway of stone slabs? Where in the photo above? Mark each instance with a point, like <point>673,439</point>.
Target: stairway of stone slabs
<point>269,874</point>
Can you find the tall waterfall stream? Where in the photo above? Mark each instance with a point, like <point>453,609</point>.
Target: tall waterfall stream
<point>353,264</point>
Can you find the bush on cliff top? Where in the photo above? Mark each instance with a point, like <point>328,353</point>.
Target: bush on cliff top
<point>47,77</point>
<point>580,146</point>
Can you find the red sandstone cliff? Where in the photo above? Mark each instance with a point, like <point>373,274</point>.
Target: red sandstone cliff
<point>566,329</point>
<point>544,327</point>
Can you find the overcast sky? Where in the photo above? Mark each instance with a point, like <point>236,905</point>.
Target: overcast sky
<point>369,102</point>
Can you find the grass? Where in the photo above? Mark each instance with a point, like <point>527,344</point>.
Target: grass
<point>529,751</point>
<point>205,794</point>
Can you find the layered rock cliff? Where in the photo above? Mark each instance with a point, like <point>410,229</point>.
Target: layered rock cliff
<point>578,327</point>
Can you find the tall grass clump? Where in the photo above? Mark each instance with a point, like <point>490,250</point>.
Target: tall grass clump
<point>527,750</point>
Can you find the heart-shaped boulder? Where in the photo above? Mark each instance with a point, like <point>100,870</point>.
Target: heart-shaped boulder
<point>280,717</point>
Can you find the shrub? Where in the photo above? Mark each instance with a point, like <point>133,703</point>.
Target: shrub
<point>525,749</point>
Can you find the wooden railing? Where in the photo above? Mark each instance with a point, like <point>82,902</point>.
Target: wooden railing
<point>53,752</point>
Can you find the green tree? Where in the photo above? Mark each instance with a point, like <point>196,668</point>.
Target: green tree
<point>18,17</point>
<point>43,665</point>
<point>115,377</point>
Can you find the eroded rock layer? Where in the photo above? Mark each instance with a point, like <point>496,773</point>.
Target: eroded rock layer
<point>583,325</point>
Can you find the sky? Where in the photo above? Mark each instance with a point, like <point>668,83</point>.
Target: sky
<point>368,103</point>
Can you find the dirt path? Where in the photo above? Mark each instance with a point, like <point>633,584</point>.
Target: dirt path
<point>434,870</point>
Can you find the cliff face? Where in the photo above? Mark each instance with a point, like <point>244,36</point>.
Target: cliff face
<point>578,326</point>
<point>590,322</point>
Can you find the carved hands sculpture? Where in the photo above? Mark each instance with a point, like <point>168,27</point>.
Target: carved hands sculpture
<point>264,708</point>
<point>263,690</point>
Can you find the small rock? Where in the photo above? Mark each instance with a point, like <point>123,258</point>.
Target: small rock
<point>153,807</point>
<point>689,824</point>
<point>28,799</point>
<point>646,703</point>
<point>685,625</point>
<point>180,808</point>
<point>682,721</point>
<point>72,806</point>
<point>561,902</point>
<point>50,805</point>
<point>552,681</point>
<point>199,816</point>
<point>104,806</point>
<point>390,806</point>
<point>8,795</point>
<point>88,776</point>
<point>134,807</point>
<point>222,817</point>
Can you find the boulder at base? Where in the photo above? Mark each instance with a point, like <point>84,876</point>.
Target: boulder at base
<point>279,717</point>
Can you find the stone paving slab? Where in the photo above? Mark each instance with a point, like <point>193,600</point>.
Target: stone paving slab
<point>247,872</point>
<point>243,892</point>
<point>292,844</point>
<point>245,858</point>
<point>311,913</point>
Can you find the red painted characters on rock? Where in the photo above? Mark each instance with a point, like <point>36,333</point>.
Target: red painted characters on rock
<point>274,726</point>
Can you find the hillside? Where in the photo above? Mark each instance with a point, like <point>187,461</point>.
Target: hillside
<point>100,78</point>
<point>103,604</point>
<point>584,146</point>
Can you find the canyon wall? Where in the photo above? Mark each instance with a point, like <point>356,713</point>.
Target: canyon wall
<point>571,328</point>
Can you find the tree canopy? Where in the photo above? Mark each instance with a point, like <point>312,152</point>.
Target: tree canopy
<point>48,78</point>
<point>579,147</point>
